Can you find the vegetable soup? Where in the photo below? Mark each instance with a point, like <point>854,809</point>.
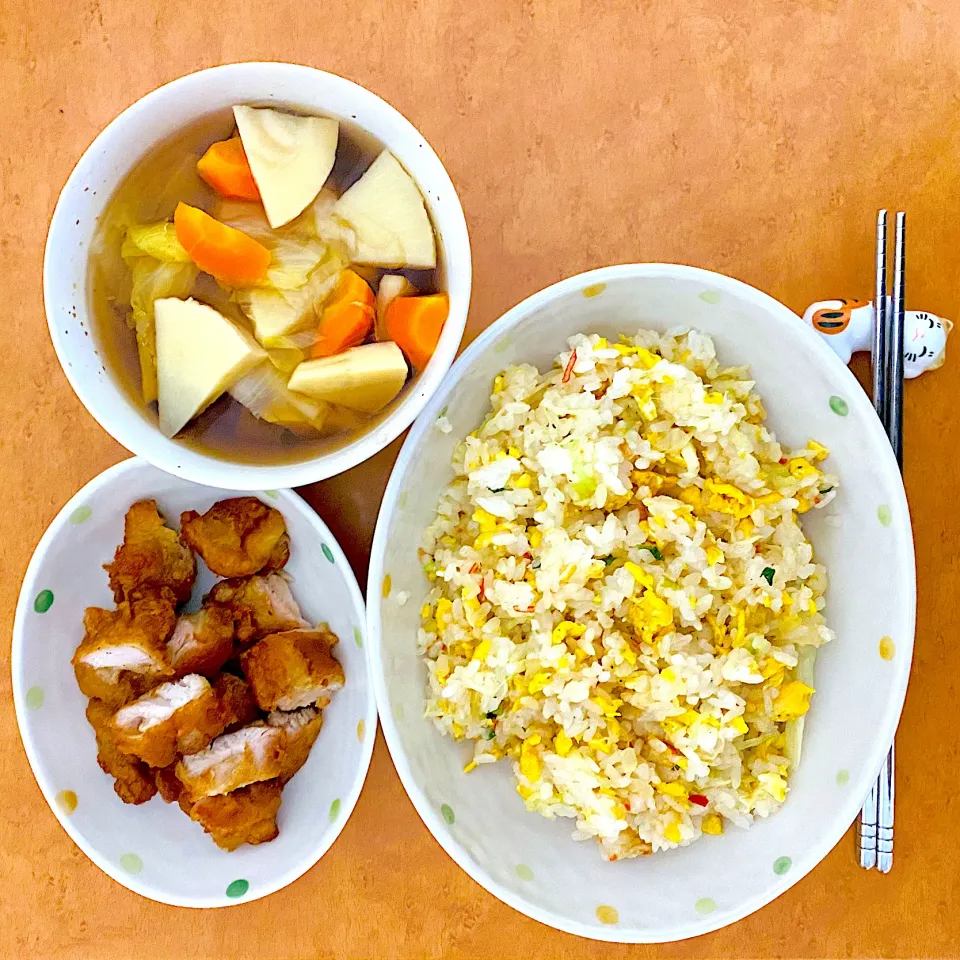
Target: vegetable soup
<point>266,284</point>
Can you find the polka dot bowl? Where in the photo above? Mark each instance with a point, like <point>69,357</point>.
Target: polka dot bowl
<point>864,537</point>
<point>153,849</point>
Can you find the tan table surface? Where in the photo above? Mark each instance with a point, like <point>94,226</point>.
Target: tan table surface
<point>756,138</point>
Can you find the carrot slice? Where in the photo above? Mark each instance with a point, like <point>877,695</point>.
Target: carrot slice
<point>225,168</point>
<point>348,318</point>
<point>228,254</point>
<point>415,324</point>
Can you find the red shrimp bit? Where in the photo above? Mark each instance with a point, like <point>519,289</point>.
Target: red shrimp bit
<point>568,369</point>
<point>699,799</point>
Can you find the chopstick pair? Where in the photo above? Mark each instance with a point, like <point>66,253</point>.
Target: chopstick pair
<point>876,817</point>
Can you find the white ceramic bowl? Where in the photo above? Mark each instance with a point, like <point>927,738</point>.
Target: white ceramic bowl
<point>531,863</point>
<point>153,848</point>
<point>103,167</point>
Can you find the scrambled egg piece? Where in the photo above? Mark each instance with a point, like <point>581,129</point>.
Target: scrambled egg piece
<point>566,628</point>
<point>672,832</point>
<point>712,824</point>
<point>800,469</point>
<point>775,785</point>
<point>650,614</point>
<point>639,574</point>
<point>793,702</point>
<point>726,498</point>
<point>529,761</point>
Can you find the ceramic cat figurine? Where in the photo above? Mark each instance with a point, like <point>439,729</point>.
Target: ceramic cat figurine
<point>847,326</point>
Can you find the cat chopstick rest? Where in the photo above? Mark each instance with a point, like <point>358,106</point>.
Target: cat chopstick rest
<point>847,326</point>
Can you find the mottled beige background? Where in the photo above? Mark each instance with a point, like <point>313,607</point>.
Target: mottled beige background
<point>755,137</point>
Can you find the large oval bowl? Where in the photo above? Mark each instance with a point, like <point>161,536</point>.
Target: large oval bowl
<point>864,538</point>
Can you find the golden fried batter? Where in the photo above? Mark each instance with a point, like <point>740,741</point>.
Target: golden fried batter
<point>293,669</point>
<point>152,557</point>
<point>302,728</point>
<point>248,815</point>
<point>235,760</point>
<point>238,537</point>
<point>173,719</point>
<point>258,605</point>
<point>237,706</point>
<point>133,781</point>
<point>202,642</point>
<point>168,786</point>
<point>113,689</point>
<point>122,654</point>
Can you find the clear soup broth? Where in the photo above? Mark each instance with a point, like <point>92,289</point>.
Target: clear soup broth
<point>150,193</point>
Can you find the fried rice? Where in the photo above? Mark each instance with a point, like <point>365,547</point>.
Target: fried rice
<point>623,603</point>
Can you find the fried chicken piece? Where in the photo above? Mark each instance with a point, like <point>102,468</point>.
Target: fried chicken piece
<point>152,557</point>
<point>237,706</point>
<point>175,718</point>
<point>122,654</point>
<point>202,642</point>
<point>238,537</point>
<point>302,728</point>
<point>293,669</point>
<point>114,688</point>
<point>258,605</point>
<point>168,786</point>
<point>232,761</point>
<point>132,779</point>
<point>248,815</point>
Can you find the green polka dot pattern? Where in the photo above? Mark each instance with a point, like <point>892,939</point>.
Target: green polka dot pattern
<point>44,601</point>
<point>237,889</point>
<point>81,515</point>
<point>839,406</point>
